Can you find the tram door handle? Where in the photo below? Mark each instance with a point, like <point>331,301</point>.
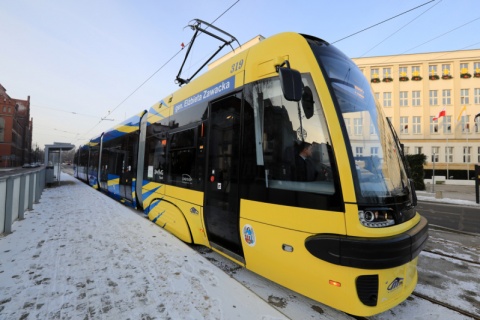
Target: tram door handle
<point>287,247</point>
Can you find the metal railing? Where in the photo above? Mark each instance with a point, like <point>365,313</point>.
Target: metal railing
<point>18,193</point>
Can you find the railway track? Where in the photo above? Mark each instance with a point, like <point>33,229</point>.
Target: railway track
<point>452,257</point>
<point>446,305</point>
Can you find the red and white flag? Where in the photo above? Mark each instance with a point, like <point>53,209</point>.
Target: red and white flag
<point>440,114</point>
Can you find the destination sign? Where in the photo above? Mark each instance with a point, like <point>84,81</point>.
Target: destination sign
<point>207,94</point>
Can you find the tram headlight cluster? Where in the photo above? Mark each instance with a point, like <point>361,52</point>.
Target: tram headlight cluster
<point>376,218</point>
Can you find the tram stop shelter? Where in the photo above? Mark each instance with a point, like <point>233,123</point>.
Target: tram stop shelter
<point>53,160</point>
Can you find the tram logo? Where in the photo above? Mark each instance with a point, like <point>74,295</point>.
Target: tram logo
<point>249,235</point>
<point>186,179</point>
<point>398,282</point>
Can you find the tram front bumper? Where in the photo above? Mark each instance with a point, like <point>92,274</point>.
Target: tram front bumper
<point>370,253</point>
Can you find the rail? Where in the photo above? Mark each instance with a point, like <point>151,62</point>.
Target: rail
<point>18,193</point>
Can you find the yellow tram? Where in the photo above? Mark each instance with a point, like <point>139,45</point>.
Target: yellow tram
<point>281,160</point>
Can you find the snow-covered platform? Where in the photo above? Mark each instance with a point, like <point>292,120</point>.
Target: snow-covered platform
<point>81,255</point>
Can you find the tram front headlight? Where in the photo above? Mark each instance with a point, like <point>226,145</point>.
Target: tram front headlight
<point>376,218</point>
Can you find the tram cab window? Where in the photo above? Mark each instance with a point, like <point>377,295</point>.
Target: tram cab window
<point>294,147</point>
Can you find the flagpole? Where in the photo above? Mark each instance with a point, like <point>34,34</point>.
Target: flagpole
<point>468,162</point>
<point>446,135</point>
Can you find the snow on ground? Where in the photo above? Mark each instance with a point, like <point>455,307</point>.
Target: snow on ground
<point>82,255</point>
<point>427,196</point>
<point>449,280</point>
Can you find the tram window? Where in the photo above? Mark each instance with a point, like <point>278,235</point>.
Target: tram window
<point>117,159</point>
<point>181,158</point>
<point>93,163</point>
<point>285,131</point>
<point>156,155</point>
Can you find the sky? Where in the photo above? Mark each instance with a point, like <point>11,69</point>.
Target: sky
<point>89,65</point>
<point>79,254</point>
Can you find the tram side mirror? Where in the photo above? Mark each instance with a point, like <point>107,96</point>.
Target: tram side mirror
<point>291,83</point>
<point>307,102</point>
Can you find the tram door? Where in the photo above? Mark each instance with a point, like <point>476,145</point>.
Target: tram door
<point>221,208</point>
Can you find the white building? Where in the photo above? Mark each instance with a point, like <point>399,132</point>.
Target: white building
<point>416,89</point>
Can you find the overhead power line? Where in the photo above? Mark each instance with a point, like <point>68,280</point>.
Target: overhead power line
<point>398,15</point>
<point>162,66</point>
<point>65,111</point>
<point>445,33</point>
<point>150,77</point>
<point>421,14</point>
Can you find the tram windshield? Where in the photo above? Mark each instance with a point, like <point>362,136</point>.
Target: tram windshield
<point>292,141</point>
<point>379,168</point>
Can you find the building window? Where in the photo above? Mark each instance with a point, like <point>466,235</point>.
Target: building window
<point>377,96</point>
<point>433,125</point>
<point>357,126</point>
<point>403,98</point>
<point>433,97</point>
<point>416,73</point>
<point>415,98</point>
<point>374,151</point>
<point>9,109</point>
<point>464,97</point>
<point>418,150</point>
<point>435,152</point>
<point>387,74</point>
<point>464,123</point>
<point>2,130</point>
<point>466,154</point>
<point>464,71</point>
<point>478,157</point>
<point>476,69</point>
<point>432,70</point>
<point>476,94</point>
<point>447,124</point>
<point>347,125</point>
<point>373,131</point>
<point>406,150</point>
<point>449,154</point>
<point>404,125</point>
<point>446,97</point>
<point>387,99</point>
<point>374,74</point>
<point>446,70</point>
<point>402,71</point>
<point>417,125</point>
<point>359,151</point>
